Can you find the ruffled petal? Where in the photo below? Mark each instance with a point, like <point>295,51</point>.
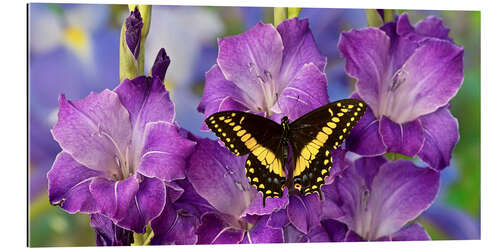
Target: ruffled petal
<point>336,230</point>
<point>402,47</point>
<point>299,49</point>
<point>109,234</point>
<point>407,138</point>
<point>316,234</point>
<point>441,135</point>
<point>399,193</point>
<point>147,100</point>
<point>252,59</point>
<point>69,185</point>
<point>352,236</point>
<point>217,89</point>
<point>229,236</point>
<point>365,138</point>
<point>292,234</point>
<point>173,228</point>
<point>114,197</point>
<point>218,176</point>
<point>331,205</point>
<point>305,92</point>
<point>261,232</point>
<point>191,202</point>
<point>429,27</point>
<point>165,152</point>
<point>214,230</point>
<point>146,205</point>
<point>339,164</point>
<point>278,219</point>
<point>95,130</point>
<point>304,212</point>
<point>367,59</point>
<point>427,81</point>
<point>411,232</point>
<point>433,27</point>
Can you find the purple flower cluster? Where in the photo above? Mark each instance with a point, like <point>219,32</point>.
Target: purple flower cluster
<point>126,162</point>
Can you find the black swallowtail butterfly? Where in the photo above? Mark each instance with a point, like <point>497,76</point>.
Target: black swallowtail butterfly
<point>311,137</point>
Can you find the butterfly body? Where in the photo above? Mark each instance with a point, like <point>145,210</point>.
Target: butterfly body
<point>268,144</point>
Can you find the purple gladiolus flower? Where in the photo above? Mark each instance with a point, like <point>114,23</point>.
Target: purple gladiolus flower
<point>120,147</point>
<point>268,71</point>
<point>376,198</point>
<point>407,75</point>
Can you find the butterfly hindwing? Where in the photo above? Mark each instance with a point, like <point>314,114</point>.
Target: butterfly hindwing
<point>309,176</point>
<point>315,134</point>
<point>242,131</point>
<point>265,180</point>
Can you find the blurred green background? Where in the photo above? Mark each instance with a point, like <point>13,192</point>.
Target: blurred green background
<point>74,50</point>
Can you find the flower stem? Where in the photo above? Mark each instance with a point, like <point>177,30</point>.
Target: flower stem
<point>373,18</point>
<point>280,14</point>
<point>143,239</point>
<point>293,12</point>
<point>389,15</point>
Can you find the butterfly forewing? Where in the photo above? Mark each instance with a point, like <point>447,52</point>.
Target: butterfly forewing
<point>242,131</point>
<point>315,134</point>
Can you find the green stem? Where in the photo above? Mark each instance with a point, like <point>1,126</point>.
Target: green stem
<point>389,15</point>
<point>143,239</point>
<point>148,238</point>
<point>280,14</point>
<point>373,18</point>
<point>293,12</point>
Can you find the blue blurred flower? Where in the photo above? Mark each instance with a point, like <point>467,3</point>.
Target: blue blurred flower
<point>187,48</point>
<point>72,51</point>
